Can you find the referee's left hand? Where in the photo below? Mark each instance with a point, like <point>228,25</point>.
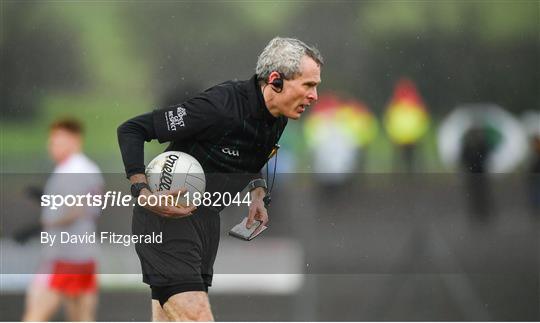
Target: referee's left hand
<point>257,210</point>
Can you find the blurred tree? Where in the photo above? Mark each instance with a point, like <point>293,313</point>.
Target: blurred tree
<point>37,55</point>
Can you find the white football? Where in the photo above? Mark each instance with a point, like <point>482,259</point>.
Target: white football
<point>173,170</point>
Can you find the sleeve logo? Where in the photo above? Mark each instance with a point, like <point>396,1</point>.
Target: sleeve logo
<point>174,121</point>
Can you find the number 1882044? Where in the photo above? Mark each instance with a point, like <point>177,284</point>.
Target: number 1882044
<point>216,199</point>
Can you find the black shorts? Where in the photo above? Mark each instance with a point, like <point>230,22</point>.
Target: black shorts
<point>184,260</point>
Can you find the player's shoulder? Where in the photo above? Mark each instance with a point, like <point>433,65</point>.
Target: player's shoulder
<point>227,91</point>
<point>229,98</point>
<point>233,85</point>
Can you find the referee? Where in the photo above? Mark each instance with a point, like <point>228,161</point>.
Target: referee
<point>231,128</point>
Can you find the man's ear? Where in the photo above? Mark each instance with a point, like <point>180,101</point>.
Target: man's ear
<point>273,76</point>
<point>276,81</point>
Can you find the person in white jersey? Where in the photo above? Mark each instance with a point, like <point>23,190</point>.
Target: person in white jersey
<point>68,272</point>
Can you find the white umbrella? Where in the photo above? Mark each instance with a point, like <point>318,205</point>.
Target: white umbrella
<point>505,157</point>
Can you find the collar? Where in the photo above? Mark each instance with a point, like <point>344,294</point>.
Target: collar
<point>66,163</point>
<point>71,158</point>
<point>256,100</point>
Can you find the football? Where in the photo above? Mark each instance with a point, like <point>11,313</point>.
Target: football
<point>173,170</point>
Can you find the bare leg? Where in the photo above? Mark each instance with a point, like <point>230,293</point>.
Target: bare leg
<point>41,301</point>
<point>158,314</point>
<point>81,307</point>
<point>189,306</point>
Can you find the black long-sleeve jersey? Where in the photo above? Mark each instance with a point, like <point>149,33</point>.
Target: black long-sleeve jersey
<point>227,128</point>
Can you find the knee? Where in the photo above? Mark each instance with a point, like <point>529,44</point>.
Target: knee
<point>185,308</point>
<point>196,312</point>
<point>199,313</point>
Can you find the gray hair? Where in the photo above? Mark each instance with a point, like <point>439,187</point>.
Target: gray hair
<point>283,55</point>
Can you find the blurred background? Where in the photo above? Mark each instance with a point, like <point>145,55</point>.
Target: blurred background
<point>411,191</point>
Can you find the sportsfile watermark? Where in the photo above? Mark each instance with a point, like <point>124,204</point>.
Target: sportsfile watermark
<point>376,224</point>
<point>116,198</point>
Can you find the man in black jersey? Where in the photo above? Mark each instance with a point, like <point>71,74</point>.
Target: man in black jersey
<point>231,128</point>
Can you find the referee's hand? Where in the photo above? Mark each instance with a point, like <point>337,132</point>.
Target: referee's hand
<point>257,210</point>
<point>166,205</point>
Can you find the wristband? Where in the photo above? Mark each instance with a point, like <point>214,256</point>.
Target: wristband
<point>259,182</point>
<point>137,188</point>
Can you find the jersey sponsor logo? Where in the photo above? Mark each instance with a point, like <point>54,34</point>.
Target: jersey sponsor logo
<point>165,180</point>
<point>174,121</point>
<point>231,152</point>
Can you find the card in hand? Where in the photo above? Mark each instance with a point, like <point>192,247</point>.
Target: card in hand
<point>241,232</point>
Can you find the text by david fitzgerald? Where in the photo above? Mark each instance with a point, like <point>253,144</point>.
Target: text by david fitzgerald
<point>103,238</point>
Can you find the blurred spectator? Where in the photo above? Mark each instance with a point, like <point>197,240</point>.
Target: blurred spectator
<point>481,138</point>
<point>406,121</point>
<point>68,271</point>
<point>476,148</point>
<point>337,132</point>
<point>478,143</point>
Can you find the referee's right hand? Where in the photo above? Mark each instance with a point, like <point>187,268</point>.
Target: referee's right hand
<point>167,209</point>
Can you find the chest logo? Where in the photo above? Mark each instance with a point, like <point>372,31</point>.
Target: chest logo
<point>231,152</point>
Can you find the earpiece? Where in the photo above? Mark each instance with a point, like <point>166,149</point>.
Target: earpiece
<point>277,84</point>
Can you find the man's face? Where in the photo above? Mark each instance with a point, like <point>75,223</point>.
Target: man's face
<point>62,144</point>
<point>301,91</point>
